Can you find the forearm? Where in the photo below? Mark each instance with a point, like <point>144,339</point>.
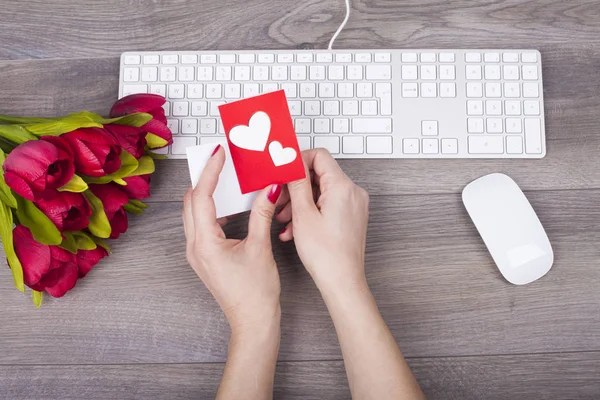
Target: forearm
<point>374,364</point>
<point>251,360</point>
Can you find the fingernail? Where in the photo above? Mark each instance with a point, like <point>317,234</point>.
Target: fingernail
<point>283,231</point>
<point>274,193</point>
<point>215,150</point>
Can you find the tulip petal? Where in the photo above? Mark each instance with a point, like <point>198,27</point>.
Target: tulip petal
<point>159,129</point>
<point>35,257</point>
<point>86,259</point>
<point>19,185</point>
<point>135,103</point>
<point>66,282</point>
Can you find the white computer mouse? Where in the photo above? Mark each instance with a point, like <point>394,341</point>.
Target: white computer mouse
<point>509,227</point>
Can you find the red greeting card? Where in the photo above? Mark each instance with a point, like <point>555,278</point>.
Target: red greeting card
<point>262,141</point>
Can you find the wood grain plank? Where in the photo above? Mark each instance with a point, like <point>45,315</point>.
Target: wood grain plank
<point>544,376</point>
<point>434,281</point>
<point>63,29</point>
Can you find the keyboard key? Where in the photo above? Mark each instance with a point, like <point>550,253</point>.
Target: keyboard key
<point>473,57</point>
<point>383,57</point>
<point>279,73</point>
<point>493,89</point>
<point>208,58</point>
<point>379,72</point>
<point>492,72</point>
<point>151,59</point>
<point>324,57</point>
<point>409,146</point>
<point>531,107</point>
<point>350,107</point>
<point>331,107</point>
<point>213,140</point>
<point>327,90</point>
<point>491,57</point>
<point>368,108</point>
<point>227,58</point>
<point>214,108</point>
<point>449,146</point>
<point>383,90</point>
<point>379,145</point>
<point>205,74</point>
<point>260,72</point>
<point>173,125</point>
<point>409,57</point>
<point>317,72</point>
<point>341,125</point>
<point>447,89</point>
<point>514,145</point>
<point>304,58</point>
<point>308,90</point>
<point>510,57</point>
<point>429,128</point>
<point>298,72</point>
<point>355,72</point>
<point>343,58</point>
<point>160,90</point>
<point>330,143</point>
<point>447,72</point>
<point>304,142</point>
<point>514,125</point>
<point>302,125</point>
<point>409,72</point>
<point>529,57</point>
<point>131,74</point>
<point>474,107</point>
<point>428,72</point>
<point>182,143</point>
<point>223,73</point>
<point>494,125</point>
<point>269,87</point>
<point>511,72</point>
<point>512,107</point>
<point>242,73</point>
<point>345,90</point>
<point>189,126</point>
<point>189,59</point>
<point>428,89</point>
<point>134,89</point>
<point>410,90</point>
<point>214,91</point>
<point>473,72</point>
<point>312,108</point>
<point>512,90</point>
<point>531,90</point>
<point>208,126</point>
<point>199,109</point>
<point>295,107</point>
<point>176,91</point>
<point>362,57</point>
<point>180,109</point>
<point>266,58</point>
<point>185,74</point>
<point>167,108</point>
<point>251,90</point>
<point>353,145</point>
<point>493,107</point>
<point>533,136</point>
<point>321,125</point>
<point>149,74</point>
<point>372,125</point>
<point>475,125</point>
<point>485,144</point>
<point>290,90</point>
<point>428,57</point>
<point>474,89</point>
<point>336,72</point>
<point>431,146</point>
<point>530,73</point>
<point>170,59</point>
<point>364,90</point>
<point>233,91</point>
<point>446,57</point>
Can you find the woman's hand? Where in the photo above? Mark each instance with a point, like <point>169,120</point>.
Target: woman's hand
<point>240,274</point>
<point>329,216</point>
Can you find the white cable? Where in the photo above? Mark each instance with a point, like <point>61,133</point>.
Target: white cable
<point>335,35</point>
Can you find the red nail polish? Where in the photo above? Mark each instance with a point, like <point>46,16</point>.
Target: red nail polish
<point>283,231</point>
<point>215,150</point>
<point>274,193</point>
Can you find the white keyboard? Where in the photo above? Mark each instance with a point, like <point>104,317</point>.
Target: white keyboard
<point>359,103</point>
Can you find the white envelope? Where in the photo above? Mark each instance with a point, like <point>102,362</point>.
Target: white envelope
<point>228,197</point>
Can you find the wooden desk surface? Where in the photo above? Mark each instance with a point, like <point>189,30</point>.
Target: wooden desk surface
<point>142,326</point>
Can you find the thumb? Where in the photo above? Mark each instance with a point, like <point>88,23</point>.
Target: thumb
<point>301,194</point>
<point>263,209</point>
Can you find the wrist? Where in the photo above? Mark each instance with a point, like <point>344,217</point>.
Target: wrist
<point>260,329</point>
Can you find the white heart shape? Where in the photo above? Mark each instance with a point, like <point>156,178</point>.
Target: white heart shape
<point>255,135</point>
<point>281,156</point>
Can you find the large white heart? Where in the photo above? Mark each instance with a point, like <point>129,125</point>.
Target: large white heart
<point>255,135</point>
<point>281,156</point>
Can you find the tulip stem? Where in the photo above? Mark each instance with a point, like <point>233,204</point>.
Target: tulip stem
<point>6,146</point>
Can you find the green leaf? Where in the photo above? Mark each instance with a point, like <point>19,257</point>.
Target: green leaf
<point>37,298</point>
<point>42,229</point>
<point>69,243</point>
<point>6,228</point>
<point>88,115</point>
<point>63,125</point>
<point>101,243</point>
<point>99,224</point>
<point>133,209</point>
<point>23,120</point>
<point>76,184</point>
<point>138,120</point>
<point>156,156</point>
<point>128,165</point>
<point>155,142</point>
<point>145,166</point>
<point>120,181</point>
<point>6,195</point>
<point>138,203</point>
<point>16,133</point>
<point>84,242</point>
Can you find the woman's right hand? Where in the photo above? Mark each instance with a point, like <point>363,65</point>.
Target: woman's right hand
<point>327,217</point>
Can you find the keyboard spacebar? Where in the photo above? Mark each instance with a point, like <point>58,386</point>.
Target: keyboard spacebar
<point>372,125</point>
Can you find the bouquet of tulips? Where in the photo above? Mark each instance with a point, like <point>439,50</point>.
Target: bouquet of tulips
<point>66,184</point>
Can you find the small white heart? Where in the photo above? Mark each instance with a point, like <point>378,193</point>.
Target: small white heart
<point>281,156</point>
<point>255,135</point>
